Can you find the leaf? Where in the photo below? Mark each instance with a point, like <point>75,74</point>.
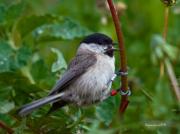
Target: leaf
<point>6,106</point>
<point>41,74</point>
<point>161,49</point>
<point>28,24</point>
<point>11,60</point>
<point>23,55</point>
<point>105,111</point>
<point>5,90</point>
<point>7,119</point>
<point>66,30</point>
<point>60,63</point>
<point>171,51</point>
<point>13,12</point>
<point>5,54</point>
<point>156,44</point>
<point>21,128</point>
<point>18,82</point>
<point>8,15</point>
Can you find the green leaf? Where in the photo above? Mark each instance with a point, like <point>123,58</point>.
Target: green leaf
<point>18,82</point>
<point>21,128</point>
<point>41,74</point>
<point>6,106</point>
<point>14,11</point>
<point>28,24</point>
<point>5,55</point>
<point>7,119</point>
<point>161,49</point>
<point>171,51</point>
<point>156,44</point>
<point>23,55</point>
<point>105,111</point>
<point>67,30</point>
<point>5,90</point>
<point>60,63</point>
<point>39,70</point>
<point>11,60</point>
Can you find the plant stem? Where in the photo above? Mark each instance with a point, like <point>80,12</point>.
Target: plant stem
<point>123,59</point>
<point>173,79</point>
<point>166,61</point>
<point>166,17</point>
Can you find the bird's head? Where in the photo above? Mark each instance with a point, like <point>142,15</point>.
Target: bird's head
<point>98,43</point>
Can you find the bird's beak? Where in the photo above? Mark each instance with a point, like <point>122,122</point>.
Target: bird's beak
<point>112,49</point>
<point>115,44</point>
<point>115,49</point>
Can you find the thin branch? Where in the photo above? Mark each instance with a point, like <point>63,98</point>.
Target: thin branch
<point>173,79</point>
<point>166,17</point>
<point>166,61</point>
<point>123,67</point>
<point>5,127</point>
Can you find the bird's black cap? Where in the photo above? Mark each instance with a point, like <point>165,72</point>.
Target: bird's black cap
<point>98,38</point>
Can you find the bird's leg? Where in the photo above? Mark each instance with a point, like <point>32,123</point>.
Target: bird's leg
<point>118,73</point>
<point>114,92</point>
<point>121,73</point>
<point>122,92</point>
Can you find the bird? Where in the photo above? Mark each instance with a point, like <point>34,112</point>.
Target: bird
<point>87,80</point>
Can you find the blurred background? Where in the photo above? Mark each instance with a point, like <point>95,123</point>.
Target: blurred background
<point>38,38</point>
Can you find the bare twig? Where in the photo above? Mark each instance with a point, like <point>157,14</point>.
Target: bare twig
<point>124,80</point>
<point>166,61</point>
<point>166,17</point>
<point>5,127</point>
<point>173,79</point>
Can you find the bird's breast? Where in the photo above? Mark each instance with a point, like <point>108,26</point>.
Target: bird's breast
<point>93,84</point>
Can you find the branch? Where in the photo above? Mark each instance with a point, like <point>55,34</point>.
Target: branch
<point>173,79</point>
<point>7,128</point>
<point>123,67</point>
<point>166,17</point>
<point>166,61</point>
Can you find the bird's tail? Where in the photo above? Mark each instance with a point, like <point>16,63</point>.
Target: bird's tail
<point>28,108</point>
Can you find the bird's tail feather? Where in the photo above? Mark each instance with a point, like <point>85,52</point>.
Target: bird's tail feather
<point>28,108</point>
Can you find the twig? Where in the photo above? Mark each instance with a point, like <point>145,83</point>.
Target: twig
<point>124,80</point>
<point>7,128</point>
<point>166,17</point>
<point>166,61</point>
<point>173,79</point>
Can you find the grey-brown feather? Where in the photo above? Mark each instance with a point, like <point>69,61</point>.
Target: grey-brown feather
<point>77,67</point>
<point>92,86</point>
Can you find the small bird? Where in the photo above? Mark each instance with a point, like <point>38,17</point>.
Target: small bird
<point>87,80</point>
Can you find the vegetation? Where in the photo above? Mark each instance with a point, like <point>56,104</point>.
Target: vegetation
<point>39,37</point>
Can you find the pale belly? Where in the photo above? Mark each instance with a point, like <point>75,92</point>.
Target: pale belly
<point>94,85</point>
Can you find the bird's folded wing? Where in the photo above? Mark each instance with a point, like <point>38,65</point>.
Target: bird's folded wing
<point>76,68</point>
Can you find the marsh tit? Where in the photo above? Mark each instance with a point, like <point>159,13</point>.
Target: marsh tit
<point>88,78</point>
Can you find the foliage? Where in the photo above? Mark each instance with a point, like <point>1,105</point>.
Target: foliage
<point>39,38</point>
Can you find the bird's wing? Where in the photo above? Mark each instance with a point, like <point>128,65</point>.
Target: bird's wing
<point>76,68</point>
